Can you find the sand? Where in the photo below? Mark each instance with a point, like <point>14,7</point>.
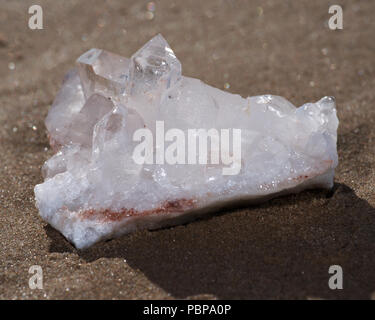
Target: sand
<point>279,250</point>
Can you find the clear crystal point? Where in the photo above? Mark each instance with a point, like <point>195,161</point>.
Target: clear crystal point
<point>103,72</point>
<point>153,67</point>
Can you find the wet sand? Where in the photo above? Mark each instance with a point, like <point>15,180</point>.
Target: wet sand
<point>279,250</point>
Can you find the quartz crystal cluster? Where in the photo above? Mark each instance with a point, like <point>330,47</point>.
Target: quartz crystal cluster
<point>93,188</point>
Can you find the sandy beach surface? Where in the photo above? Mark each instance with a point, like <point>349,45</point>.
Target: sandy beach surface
<point>279,250</point>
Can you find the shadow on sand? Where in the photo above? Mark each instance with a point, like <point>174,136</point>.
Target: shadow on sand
<point>281,249</point>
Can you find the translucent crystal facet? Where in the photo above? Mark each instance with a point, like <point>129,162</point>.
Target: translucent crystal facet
<point>95,188</point>
<point>154,67</point>
<point>103,72</point>
<point>68,102</point>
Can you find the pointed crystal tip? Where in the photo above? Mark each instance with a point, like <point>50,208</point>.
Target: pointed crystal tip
<point>154,66</point>
<point>103,72</point>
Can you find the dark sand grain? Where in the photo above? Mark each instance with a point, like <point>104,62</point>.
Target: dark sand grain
<point>281,249</point>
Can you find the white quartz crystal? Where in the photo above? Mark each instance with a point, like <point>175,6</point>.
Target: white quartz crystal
<point>94,188</point>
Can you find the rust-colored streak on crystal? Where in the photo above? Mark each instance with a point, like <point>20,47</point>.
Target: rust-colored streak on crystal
<point>108,215</point>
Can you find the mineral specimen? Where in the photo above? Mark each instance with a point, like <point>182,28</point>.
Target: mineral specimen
<point>137,145</point>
